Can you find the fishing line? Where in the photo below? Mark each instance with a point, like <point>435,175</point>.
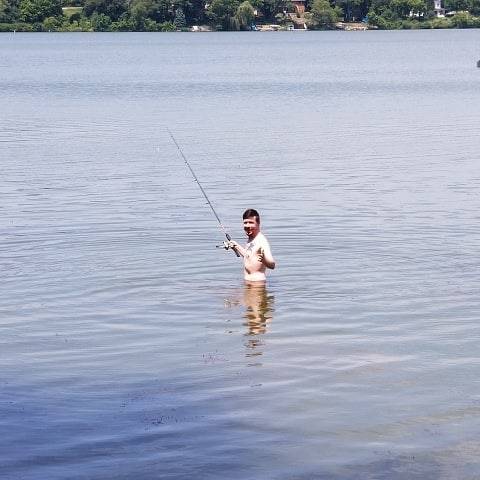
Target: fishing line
<point>201,188</point>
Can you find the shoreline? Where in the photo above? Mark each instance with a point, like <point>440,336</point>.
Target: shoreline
<point>345,27</point>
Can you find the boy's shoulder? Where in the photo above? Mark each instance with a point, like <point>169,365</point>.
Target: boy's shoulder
<point>262,238</point>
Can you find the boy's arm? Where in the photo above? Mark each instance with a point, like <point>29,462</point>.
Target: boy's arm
<point>265,255</point>
<point>237,247</point>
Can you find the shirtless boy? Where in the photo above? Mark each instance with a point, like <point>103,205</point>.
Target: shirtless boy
<point>256,254</point>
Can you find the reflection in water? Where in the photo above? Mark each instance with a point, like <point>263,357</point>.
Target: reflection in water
<point>258,303</point>
<point>258,314</point>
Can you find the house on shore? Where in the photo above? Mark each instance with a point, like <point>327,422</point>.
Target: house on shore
<point>438,9</point>
<point>299,6</point>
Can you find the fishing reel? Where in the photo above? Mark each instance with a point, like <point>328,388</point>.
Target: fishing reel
<point>225,245</point>
<point>228,245</point>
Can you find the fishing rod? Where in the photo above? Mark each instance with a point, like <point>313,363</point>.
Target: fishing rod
<point>225,245</point>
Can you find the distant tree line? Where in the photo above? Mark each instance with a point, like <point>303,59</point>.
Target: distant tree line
<point>175,15</point>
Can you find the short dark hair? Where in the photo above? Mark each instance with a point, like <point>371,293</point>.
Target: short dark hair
<point>251,212</point>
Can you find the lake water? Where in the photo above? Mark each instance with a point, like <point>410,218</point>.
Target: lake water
<point>130,348</point>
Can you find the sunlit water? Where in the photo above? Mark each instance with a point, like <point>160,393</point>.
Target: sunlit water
<point>130,348</point>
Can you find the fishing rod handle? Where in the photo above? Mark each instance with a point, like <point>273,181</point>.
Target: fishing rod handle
<point>230,238</point>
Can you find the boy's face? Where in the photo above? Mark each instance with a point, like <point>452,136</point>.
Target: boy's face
<point>251,226</point>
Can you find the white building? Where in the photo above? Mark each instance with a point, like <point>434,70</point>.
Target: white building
<point>438,9</point>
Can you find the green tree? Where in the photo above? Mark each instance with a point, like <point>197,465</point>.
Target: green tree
<point>457,5</point>
<point>75,17</point>
<point>475,7</point>
<point>271,7</point>
<point>465,20</point>
<point>440,22</point>
<point>151,25</point>
<point>123,24</point>
<point>32,11</point>
<point>222,14</point>
<point>138,15</point>
<point>418,7</point>
<point>245,15</point>
<point>167,27</point>
<point>196,12</point>
<point>403,8</point>
<point>52,24</point>
<point>179,20</point>
<point>141,10</point>
<point>353,10</point>
<point>9,11</point>
<point>161,11</point>
<point>112,8</point>
<point>323,16</point>
<point>100,22</point>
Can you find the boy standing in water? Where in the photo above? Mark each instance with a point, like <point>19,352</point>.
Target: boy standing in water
<point>256,254</point>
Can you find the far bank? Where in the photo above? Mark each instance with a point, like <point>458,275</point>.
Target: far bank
<point>234,15</point>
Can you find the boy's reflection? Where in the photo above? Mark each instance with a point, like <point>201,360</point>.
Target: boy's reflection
<point>258,313</point>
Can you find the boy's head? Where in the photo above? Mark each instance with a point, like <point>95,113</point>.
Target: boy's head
<point>251,212</point>
<point>251,223</point>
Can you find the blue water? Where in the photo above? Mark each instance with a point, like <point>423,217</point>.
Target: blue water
<point>130,347</point>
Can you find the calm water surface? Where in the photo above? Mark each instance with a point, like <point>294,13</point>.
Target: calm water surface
<point>130,348</point>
